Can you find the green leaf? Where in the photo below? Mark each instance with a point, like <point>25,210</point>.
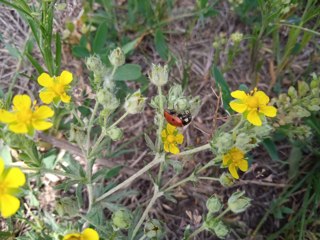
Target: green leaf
<point>80,52</point>
<point>100,38</point>
<point>131,45</point>
<point>226,95</point>
<point>127,72</point>
<point>58,54</point>
<point>35,63</point>
<point>271,149</point>
<point>294,160</point>
<point>161,45</point>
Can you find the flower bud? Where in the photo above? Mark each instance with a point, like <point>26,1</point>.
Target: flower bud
<point>135,103</point>
<point>159,75</point>
<point>117,57</point>
<point>115,133</point>
<point>226,179</point>
<point>122,219</point>
<point>153,229</point>
<point>236,37</point>
<point>238,203</point>
<point>213,204</point>
<point>94,63</point>
<point>221,230</point>
<point>107,99</point>
<point>181,104</point>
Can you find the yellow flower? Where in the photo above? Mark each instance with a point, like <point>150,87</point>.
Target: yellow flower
<point>87,234</point>
<point>24,118</point>
<point>10,181</point>
<point>171,137</point>
<point>234,159</point>
<point>55,87</point>
<point>253,105</point>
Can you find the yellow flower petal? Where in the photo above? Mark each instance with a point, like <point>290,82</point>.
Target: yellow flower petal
<point>7,117</point>
<point>41,125</point>
<point>253,117</point>
<point>9,205</point>
<point>166,147</point>
<point>47,96</point>
<point>1,166</point>
<point>170,129</point>
<point>89,234</point>
<point>72,236</point>
<point>21,102</point>
<point>226,159</point>
<point>243,165</point>
<point>65,98</point>
<point>238,107</point>
<point>233,171</point>
<point>65,77</point>
<point>179,138</point>
<point>269,111</point>
<point>263,98</point>
<point>43,112</point>
<point>18,127</point>
<point>15,178</point>
<point>45,80</point>
<point>238,94</point>
<point>174,149</point>
<point>164,133</point>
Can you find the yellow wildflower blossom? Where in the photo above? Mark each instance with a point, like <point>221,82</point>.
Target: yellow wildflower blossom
<point>87,234</point>
<point>234,159</point>
<point>171,137</point>
<point>10,181</point>
<point>253,105</point>
<point>55,87</point>
<point>24,118</point>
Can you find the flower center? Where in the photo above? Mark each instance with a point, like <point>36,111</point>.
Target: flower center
<point>237,156</point>
<point>171,138</point>
<point>252,102</point>
<point>3,188</point>
<point>25,116</point>
<point>58,88</point>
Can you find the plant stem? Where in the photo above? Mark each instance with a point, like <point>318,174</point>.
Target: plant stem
<point>156,195</point>
<point>195,150</point>
<point>90,124</point>
<point>209,178</point>
<point>119,120</point>
<point>191,177</point>
<point>223,213</point>
<point>159,140</point>
<point>89,184</point>
<point>196,232</point>
<point>158,159</point>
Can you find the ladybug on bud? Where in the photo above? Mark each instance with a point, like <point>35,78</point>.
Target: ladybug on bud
<point>177,119</point>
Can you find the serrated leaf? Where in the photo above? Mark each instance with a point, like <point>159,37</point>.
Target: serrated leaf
<point>226,95</point>
<point>161,45</point>
<point>128,72</point>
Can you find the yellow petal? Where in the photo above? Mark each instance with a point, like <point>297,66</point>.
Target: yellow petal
<point>239,94</point>
<point>179,138</point>
<point>47,96</point>
<point>9,205</point>
<point>41,125</point>
<point>263,98</point>
<point>45,80</point>
<point>18,127</point>
<point>1,166</point>
<point>7,117</point>
<point>269,111</point>
<point>243,165</point>
<point>233,171</point>
<point>65,98</point>
<point>42,112</point>
<point>253,117</point>
<point>90,234</point>
<point>166,147</point>
<point>21,102</point>
<point>174,149</point>
<point>164,133</point>
<point>170,129</point>
<point>72,236</point>
<point>15,178</point>
<point>65,77</point>
<point>226,159</point>
<point>238,107</point>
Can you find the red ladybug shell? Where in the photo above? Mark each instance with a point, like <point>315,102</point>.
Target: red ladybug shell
<point>173,119</point>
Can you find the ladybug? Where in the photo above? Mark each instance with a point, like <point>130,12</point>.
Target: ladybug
<point>177,119</point>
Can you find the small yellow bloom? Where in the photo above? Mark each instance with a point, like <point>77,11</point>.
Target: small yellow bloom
<point>55,87</point>
<point>234,159</point>
<point>24,118</point>
<point>171,138</point>
<point>253,105</point>
<point>10,181</point>
<point>87,234</point>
